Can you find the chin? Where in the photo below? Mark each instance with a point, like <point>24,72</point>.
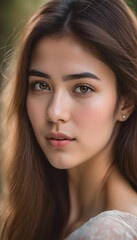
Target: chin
<point>61,164</point>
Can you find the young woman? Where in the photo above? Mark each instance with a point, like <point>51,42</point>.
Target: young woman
<point>70,125</point>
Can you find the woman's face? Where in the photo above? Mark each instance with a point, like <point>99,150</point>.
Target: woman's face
<point>71,101</point>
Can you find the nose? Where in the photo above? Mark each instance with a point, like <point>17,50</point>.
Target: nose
<point>57,109</point>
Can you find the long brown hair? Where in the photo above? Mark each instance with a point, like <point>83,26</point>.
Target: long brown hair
<point>37,196</point>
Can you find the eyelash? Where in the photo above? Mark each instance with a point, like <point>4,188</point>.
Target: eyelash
<point>33,85</point>
<point>89,88</point>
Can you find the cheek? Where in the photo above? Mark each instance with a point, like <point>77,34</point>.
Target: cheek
<point>97,113</point>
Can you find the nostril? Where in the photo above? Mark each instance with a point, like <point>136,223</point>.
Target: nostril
<point>57,116</point>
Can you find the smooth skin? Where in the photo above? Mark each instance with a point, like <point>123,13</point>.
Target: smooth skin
<point>62,98</point>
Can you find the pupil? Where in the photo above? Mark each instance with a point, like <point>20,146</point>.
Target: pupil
<point>42,85</point>
<point>83,89</point>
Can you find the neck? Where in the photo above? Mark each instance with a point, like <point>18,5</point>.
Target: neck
<point>86,186</point>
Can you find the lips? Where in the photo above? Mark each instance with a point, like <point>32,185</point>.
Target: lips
<point>59,139</point>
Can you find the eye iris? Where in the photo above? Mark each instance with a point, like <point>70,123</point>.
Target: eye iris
<point>43,85</point>
<point>83,89</point>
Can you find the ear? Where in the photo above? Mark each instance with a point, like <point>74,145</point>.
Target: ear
<point>126,107</point>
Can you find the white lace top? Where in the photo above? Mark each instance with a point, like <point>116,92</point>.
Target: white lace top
<point>108,225</point>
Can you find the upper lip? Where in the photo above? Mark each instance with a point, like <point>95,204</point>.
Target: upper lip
<point>59,135</point>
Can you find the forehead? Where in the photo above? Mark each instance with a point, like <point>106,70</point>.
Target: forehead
<point>67,55</point>
<point>61,45</point>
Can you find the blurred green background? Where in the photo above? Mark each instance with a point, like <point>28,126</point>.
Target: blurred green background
<point>13,16</point>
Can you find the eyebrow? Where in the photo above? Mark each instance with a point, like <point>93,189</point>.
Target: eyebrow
<point>38,74</point>
<point>66,77</point>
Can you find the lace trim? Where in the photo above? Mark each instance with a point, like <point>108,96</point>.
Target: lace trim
<point>129,220</point>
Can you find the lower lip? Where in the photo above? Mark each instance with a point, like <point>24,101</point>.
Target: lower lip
<point>59,143</point>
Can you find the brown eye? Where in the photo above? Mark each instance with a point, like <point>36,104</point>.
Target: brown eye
<point>41,86</point>
<point>83,89</point>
